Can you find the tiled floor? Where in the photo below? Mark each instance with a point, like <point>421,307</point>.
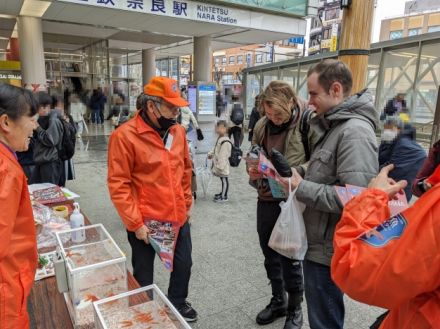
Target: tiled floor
<point>228,286</point>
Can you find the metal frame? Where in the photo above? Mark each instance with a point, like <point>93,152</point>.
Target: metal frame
<point>384,48</point>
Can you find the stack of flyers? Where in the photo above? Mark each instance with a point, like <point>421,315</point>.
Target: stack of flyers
<point>49,195</point>
<point>163,238</point>
<point>350,191</point>
<point>268,170</point>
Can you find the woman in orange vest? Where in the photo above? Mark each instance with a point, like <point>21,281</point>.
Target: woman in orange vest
<point>18,251</point>
<point>391,262</point>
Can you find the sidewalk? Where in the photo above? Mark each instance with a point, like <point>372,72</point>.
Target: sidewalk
<point>228,285</point>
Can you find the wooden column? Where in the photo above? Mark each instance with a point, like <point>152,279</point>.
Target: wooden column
<point>355,40</point>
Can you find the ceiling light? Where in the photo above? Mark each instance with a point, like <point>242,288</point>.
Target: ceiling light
<point>35,8</point>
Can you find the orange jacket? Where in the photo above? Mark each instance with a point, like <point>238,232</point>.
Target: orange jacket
<point>147,179</point>
<point>18,247</point>
<point>395,263</point>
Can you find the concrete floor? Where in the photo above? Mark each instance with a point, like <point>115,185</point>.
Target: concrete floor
<point>228,285</point>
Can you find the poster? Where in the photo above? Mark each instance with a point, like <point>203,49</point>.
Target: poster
<point>207,93</point>
<point>192,98</point>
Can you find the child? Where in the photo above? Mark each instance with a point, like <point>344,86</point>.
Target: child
<point>220,156</point>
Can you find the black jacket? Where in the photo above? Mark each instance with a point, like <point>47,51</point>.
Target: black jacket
<point>406,155</point>
<point>48,138</point>
<point>390,109</point>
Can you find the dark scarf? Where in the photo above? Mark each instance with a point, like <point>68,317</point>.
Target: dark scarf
<point>273,129</point>
<point>43,121</point>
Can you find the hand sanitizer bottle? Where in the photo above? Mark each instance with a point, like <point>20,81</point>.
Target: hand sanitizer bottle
<point>77,221</point>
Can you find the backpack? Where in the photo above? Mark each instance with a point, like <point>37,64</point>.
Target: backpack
<point>304,129</point>
<point>237,114</point>
<point>67,149</point>
<point>236,154</point>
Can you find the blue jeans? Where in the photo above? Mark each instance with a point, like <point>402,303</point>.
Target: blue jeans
<point>96,116</point>
<point>325,301</point>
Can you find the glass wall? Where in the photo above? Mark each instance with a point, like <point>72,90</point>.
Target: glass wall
<point>253,84</point>
<point>269,76</point>
<point>399,72</point>
<point>409,65</point>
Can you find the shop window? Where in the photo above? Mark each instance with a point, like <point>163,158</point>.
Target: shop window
<point>259,58</point>
<point>240,59</point>
<point>217,60</point>
<point>434,28</point>
<point>269,57</point>
<point>396,35</point>
<point>231,59</point>
<point>412,32</point>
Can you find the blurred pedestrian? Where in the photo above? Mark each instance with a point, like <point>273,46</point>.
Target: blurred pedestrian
<point>77,112</point>
<point>419,184</point>
<point>235,119</point>
<point>18,247</point>
<point>48,141</point>
<point>67,149</point>
<point>220,160</point>
<point>255,116</point>
<point>399,147</point>
<point>396,105</point>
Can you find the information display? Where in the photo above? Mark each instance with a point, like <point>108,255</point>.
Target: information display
<point>206,99</point>
<point>192,98</point>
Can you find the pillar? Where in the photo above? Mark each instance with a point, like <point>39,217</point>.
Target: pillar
<point>202,59</point>
<point>355,42</point>
<point>148,65</point>
<point>33,69</point>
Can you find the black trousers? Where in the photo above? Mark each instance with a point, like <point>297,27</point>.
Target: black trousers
<point>225,186</point>
<point>284,274</point>
<point>49,172</point>
<point>142,260</point>
<point>236,133</point>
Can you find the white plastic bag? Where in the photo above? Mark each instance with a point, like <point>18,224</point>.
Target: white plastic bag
<point>288,236</point>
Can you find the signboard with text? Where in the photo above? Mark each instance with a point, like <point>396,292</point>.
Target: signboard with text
<point>206,99</point>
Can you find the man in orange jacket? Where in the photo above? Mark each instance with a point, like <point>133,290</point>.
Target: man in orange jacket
<point>149,178</point>
<point>392,263</point>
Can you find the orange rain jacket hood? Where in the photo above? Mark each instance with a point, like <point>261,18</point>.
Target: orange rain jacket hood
<point>394,263</point>
<point>147,179</point>
<point>18,247</point>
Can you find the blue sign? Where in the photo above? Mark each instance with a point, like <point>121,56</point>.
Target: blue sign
<point>391,229</point>
<point>297,40</point>
<point>207,88</point>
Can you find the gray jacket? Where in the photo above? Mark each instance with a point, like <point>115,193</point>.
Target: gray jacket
<point>48,141</point>
<point>345,154</point>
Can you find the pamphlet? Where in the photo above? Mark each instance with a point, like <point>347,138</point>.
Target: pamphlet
<point>350,191</point>
<point>268,170</point>
<point>163,238</point>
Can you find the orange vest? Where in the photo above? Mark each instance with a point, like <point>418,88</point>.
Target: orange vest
<point>391,263</point>
<point>18,248</point>
<point>147,179</point>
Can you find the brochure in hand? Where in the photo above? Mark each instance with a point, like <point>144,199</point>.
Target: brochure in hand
<point>350,191</point>
<point>163,238</point>
<point>268,170</point>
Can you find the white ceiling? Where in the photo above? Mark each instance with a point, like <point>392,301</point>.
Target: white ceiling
<point>72,26</point>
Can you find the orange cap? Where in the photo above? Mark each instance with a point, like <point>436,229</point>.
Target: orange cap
<point>166,89</point>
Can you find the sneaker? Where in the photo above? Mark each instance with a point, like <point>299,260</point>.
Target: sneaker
<point>221,200</point>
<point>187,312</point>
<point>217,197</point>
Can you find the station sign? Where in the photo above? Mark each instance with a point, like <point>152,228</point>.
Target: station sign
<point>202,12</point>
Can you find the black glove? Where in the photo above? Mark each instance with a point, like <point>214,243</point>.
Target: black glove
<point>200,136</point>
<point>280,163</point>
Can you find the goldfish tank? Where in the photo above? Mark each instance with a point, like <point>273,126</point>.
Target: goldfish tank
<point>95,269</point>
<point>142,308</point>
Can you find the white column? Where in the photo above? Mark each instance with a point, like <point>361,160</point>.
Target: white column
<point>148,65</point>
<point>202,59</point>
<point>30,38</point>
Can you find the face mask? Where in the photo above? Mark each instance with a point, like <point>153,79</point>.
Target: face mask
<point>388,135</point>
<point>165,123</point>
